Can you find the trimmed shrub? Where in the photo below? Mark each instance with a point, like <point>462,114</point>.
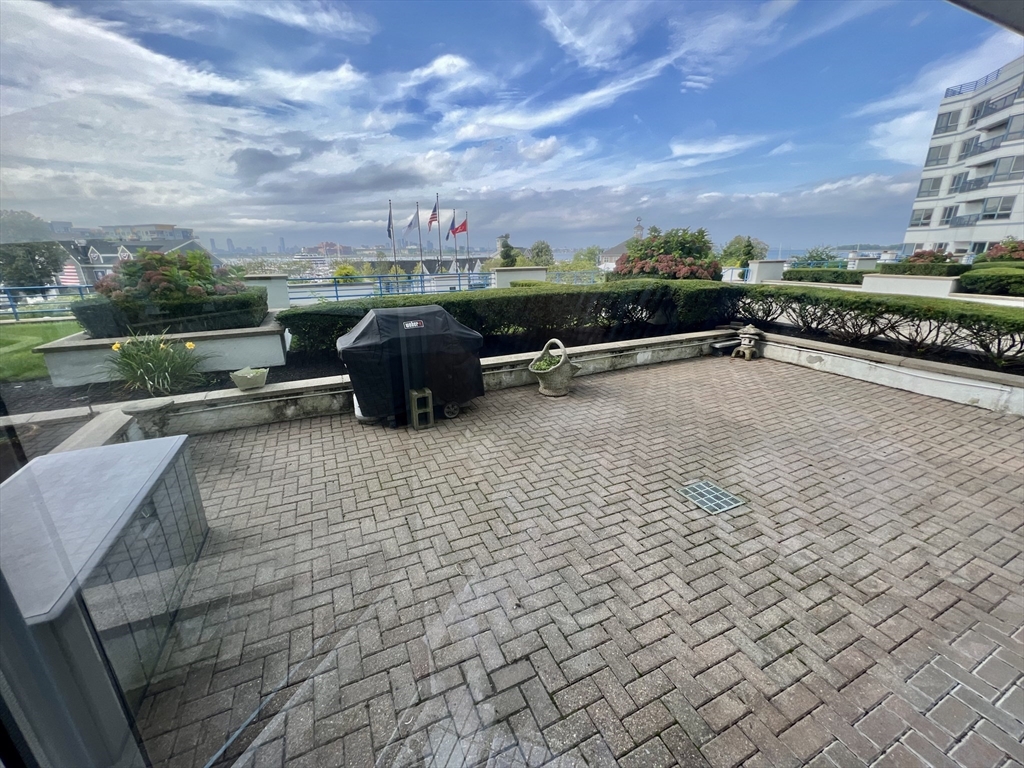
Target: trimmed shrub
<point>930,269</point>
<point>530,283</point>
<point>1002,264</point>
<point>930,257</point>
<point>1010,249</point>
<point>103,317</point>
<point>849,276</point>
<point>918,324</point>
<point>994,282</point>
<point>682,305</point>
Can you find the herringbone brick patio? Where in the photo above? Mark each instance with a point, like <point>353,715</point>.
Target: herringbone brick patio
<point>524,585</point>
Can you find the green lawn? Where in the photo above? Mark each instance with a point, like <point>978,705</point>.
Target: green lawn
<point>17,363</point>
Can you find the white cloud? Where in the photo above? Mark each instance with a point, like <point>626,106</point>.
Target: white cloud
<point>310,86</point>
<point>333,19</point>
<point>783,148</point>
<point>597,35</point>
<point>539,151</point>
<point>905,138</point>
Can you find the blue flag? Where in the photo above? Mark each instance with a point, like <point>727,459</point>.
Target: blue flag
<point>391,225</point>
<point>451,228</point>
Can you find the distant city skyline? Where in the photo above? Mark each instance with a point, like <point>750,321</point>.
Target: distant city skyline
<point>797,123</point>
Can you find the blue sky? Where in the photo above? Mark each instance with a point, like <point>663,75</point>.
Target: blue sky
<point>796,122</point>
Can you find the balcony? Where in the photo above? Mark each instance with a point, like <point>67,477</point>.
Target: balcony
<point>984,146</point>
<point>996,105</point>
<point>973,184</point>
<point>965,221</point>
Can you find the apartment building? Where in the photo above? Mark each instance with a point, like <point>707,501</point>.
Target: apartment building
<point>971,193</point>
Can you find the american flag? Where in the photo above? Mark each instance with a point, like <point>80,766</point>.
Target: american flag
<point>433,218</point>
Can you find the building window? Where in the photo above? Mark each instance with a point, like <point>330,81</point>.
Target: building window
<point>997,207</point>
<point>930,187</point>
<point>977,248</point>
<point>948,213</point>
<point>922,217</point>
<point>1015,128</point>
<point>957,182</point>
<point>976,112</point>
<point>1009,168</point>
<point>909,249</point>
<point>968,146</point>
<point>938,155</point>
<point>940,247</point>
<point>947,122</point>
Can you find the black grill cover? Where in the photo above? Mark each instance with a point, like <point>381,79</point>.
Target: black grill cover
<point>391,351</point>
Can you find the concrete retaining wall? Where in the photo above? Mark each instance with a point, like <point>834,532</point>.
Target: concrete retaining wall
<point>986,389</point>
<point>78,359</point>
<point>504,276</point>
<point>911,285</point>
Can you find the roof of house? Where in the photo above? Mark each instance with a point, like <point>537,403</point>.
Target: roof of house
<point>614,252</point>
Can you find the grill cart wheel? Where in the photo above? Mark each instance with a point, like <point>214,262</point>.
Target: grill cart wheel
<point>451,410</point>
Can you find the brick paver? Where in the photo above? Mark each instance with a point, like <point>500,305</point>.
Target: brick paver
<point>525,585</point>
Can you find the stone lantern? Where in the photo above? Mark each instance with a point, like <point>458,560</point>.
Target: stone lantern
<point>749,336</point>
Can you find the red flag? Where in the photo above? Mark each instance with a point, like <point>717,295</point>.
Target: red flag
<point>463,227</point>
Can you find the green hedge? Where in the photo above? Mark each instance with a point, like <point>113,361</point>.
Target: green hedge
<point>994,282</point>
<point>103,317</point>
<point>929,270</point>
<point>803,275</point>
<point>918,324</point>
<point>684,305</point>
<point>1005,264</point>
<point>530,284</point>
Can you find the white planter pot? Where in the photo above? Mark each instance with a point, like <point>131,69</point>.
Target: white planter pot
<point>250,378</point>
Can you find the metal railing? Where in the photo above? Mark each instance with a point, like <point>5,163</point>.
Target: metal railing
<point>21,302</point>
<point>956,90</point>
<point>965,221</point>
<point>305,291</point>
<point>973,184</point>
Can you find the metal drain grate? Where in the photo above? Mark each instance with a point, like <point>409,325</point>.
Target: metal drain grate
<point>710,497</point>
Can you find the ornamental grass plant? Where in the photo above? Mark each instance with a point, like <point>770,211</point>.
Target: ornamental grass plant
<point>157,365</point>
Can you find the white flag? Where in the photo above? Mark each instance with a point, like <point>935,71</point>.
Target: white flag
<point>413,223</point>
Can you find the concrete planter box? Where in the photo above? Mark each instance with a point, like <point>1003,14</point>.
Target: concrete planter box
<point>277,289</point>
<point>911,285</point>
<point>505,275</point>
<point>761,270</point>
<point>78,359</point>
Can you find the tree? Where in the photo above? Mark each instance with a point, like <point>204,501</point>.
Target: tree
<point>345,270</point>
<point>522,260</point>
<point>824,253</point>
<point>418,269</point>
<point>23,227</point>
<point>507,252</point>
<point>737,249</point>
<point>583,260</point>
<point>541,254</point>
<point>31,263</point>
<point>396,270</point>
<point>380,264</point>
<point>491,264</point>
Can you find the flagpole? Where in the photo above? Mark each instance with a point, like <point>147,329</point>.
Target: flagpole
<point>440,253</point>
<point>394,248</point>
<point>419,231</point>
<point>467,241</point>
<point>455,261</point>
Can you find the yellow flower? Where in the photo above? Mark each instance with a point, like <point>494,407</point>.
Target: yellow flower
<point>116,346</point>
<point>189,345</point>
<point>162,345</point>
